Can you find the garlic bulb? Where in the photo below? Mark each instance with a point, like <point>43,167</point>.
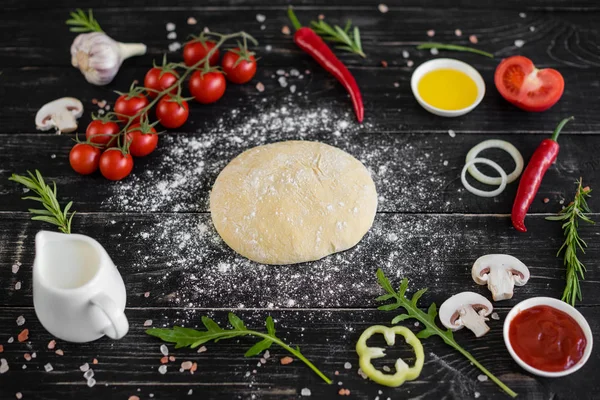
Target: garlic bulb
<point>99,57</point>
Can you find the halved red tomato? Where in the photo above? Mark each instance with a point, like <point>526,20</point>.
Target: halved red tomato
<point>531,89</point>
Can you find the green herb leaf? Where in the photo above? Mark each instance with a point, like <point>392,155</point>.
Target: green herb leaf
<point>571,215</point>
<point>428,321</point>
<point>187,337</point>
<point>46,194</point>
<point>351,42</point>
<point>453,47</point>
<point>82,22</point>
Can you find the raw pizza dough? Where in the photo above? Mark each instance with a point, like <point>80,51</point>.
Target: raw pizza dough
<point>291,202</point>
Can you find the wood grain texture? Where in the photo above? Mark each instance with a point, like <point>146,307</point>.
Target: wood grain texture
<point>327,338</point>
<point>428,228</point>
<point>180,260</point>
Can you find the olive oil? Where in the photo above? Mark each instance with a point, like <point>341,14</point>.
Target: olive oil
<point>447,89</point>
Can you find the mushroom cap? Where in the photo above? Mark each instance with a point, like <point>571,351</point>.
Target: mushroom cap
<point>450,309</point>
<point>43,118</point>
<point>483,264</point>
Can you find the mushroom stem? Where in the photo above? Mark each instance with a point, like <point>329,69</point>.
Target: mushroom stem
<point>474,321</point>
<point>128,50</point>
<point>501,283</point>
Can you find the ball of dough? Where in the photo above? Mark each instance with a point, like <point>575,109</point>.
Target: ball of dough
<point>291,202</point>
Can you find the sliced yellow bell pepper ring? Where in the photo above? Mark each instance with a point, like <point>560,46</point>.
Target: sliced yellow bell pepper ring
<point>403,371</point>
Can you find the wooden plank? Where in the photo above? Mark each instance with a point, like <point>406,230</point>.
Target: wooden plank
<point>546,5</point>
<point>129,366</point>
<point>178,260</point>
<point>570,40</point>
<point>413,172</point>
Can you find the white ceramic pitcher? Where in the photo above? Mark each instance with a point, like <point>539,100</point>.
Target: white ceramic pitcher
<point>78,293</point>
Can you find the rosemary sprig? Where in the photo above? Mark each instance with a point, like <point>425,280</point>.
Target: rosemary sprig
<point>453,47</point>
<point>350,40</point>
<point>52,212</point>
<point>83,22</point>
<point>184,337</point>
<point>570,216</point>
<point>427,319</point>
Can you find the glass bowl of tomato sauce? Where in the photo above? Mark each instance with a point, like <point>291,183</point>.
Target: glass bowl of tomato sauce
<point>547,337</point>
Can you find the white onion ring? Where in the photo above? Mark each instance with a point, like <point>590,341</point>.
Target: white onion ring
<point>495,144</point>
<point>482,193</point>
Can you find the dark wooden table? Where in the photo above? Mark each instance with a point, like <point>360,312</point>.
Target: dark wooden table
<point>157,228</point>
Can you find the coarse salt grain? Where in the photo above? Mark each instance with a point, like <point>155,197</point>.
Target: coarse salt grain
<point>405,54</point>
<point>192,21</point>
<point>431,33</point>
<point>59,352</point>
<point>18,286</point>
<point>91,382</point>
<point>190,392</point>
<point>305,392</point>
<point>293,89</point>
<point>383,8</point>
<point>260,18</point>
<point>15,268</point>
<point>20,320</point>
<point>476,395</point>
<point>458,32</point>
<point>451,133</point>
<point>23,336</point>
<point>85,367</point>
<point>473,39</point>
<point>172,358</point>
<point>495,316</point>
<point>522,15</point>
<point>170,26</point>
<point>10,340</point>
<point>410,63</point>
<point>172,35</point>
<point>19,395</point>
<point>133,398</point>
<point>95,361</point>
<point>202,349</point>
<point>285,30</point>
<point>48,367</point>
<point>260,87</point>
<point>164,350</point>
<point>268,47</point>
<point>174,46</point>
<point>27,357</point>
<point>263,27</point>
<point>267,355</point>
<point>3,365</point>
<point>532,28</point>
<point>33,355</point>
<point>519,43</point>
<point>186,365</point>
<point>147,294</point>
<point>434,51</point>
<point>347,365</point>
<point>148,322</point>
<point>89,374</point>
<point>482,378</point>
<point>162,369</point>
<point>51,344</point>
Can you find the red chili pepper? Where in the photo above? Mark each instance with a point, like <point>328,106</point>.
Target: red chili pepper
<point>312,44</point>
<point>540,161</point>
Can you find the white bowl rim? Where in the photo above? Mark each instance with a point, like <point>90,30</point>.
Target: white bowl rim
<point>561,306</point>
<point>449,63</point>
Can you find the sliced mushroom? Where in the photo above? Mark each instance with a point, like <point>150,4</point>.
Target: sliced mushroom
<point>466,309</point>
<point>60,114</point>
<point>501,272</point>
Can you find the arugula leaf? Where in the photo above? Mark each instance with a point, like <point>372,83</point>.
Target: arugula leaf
<point>427,319</point>
<point>187,337</point>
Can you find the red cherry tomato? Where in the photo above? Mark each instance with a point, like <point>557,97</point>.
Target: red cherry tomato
<point>130,106</point>
<point>527,87</point>
<point>170,114</point>
<point>114,165</point>
<point>155,81</point>
<point>142,144</point>
<point>240,73</point>
<point>207,88</point>
<point>84,158</point>
<point>101,132</point>
<point>196,51</point>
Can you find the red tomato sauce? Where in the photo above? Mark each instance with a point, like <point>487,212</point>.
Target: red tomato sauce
<point>547,339</point>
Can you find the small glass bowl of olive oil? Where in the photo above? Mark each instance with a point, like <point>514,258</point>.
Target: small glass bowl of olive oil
<point>447,87</point>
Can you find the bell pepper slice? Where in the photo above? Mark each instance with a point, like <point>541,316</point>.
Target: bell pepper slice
<point>403,371</point>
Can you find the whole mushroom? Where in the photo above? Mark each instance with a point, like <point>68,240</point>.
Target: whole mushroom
<point>60,114</point>
<point>501,272</point>
<point>466,309</point>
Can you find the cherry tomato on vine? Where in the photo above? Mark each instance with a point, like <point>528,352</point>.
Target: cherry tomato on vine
<point>114,165</point>
<point>207,88</point>
<point>197,50</point>
<point>155,81</point>
<point>243,71</point>
<point>142,144</point>
<point>170,114</point>
<point>101,132</point>
<point>84,158</point>
<point>527,87</point>
<point>130,105</point>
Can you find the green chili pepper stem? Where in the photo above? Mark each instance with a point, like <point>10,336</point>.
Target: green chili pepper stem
<point>293,18</point>
<point>559,128</point>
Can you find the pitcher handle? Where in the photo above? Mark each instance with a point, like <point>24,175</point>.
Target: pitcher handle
<point>120,325</point>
